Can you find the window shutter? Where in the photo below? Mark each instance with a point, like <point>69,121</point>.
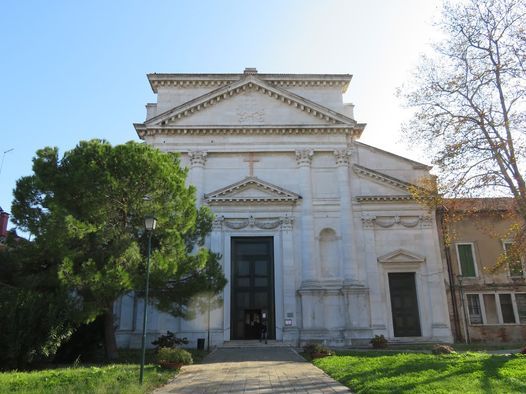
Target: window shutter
<point>467,263</point>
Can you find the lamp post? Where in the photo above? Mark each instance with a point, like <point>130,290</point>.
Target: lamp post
<point>149,223</point>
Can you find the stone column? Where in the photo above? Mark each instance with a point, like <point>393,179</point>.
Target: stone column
<point>217,313</point>
<point>378,323</point>
<point>304,158</point>
<point>346,217</point>
<point>290,333</point>
<point>196,175</point>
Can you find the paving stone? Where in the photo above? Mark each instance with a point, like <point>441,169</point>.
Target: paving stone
<point>253,370</point>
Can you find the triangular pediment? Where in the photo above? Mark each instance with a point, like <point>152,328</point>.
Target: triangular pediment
<point>401,256</point>
<point>250,101</point>
<point>251,190</point>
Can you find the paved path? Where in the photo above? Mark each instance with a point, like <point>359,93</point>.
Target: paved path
<point>255,370</point>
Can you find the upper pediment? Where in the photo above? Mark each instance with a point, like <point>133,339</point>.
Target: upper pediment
<point>251,190</point>
<point>401,256</point>
<point>249,101</point>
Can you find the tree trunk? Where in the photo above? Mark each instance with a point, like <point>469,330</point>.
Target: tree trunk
<point>110,343</point>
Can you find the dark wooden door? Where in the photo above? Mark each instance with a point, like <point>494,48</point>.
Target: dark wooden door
<point>252,284</point>
<point>404,305</point>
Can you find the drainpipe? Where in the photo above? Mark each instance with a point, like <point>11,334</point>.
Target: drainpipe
<point>452,290</point>
<point>466,328</point>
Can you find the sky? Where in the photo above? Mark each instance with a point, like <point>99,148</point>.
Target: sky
<point>76,70</point>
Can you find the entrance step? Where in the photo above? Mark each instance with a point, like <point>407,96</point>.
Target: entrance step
<point>255,343</point>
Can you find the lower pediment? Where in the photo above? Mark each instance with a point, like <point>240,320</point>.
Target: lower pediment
<point>401,256</point>
<point>251,190</point>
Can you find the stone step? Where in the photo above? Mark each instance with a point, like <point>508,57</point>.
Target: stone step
<point>254,343</point>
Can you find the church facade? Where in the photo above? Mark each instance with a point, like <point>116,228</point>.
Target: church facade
<point>318,233</point>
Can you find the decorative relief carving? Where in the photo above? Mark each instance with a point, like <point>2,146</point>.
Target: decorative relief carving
<point>369,221</point>
<point>304,157</point>
<point>263,224</point>
<point>248,112</point>
<point>197,158</point>
<point>342,157</point>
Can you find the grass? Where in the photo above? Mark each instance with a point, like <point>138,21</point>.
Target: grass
<point>377,372</point>
<point>122,376</point>
<point>114,378</point>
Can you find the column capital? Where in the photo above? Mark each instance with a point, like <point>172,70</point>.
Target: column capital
<point>342,157</point>
<point>304,157</point>
<point>217,224</point>
<point>368,220</point>
<point>197,158</point>
<point>286,223</point>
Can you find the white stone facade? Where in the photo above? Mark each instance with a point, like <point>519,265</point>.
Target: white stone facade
<point>277,156</point>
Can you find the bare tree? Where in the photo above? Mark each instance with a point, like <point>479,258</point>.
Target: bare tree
<point>469,98</point>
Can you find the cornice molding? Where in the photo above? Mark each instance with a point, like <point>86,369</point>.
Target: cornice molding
<point>384,198</point>
<point>144,131</point>
<point>249,82</point>
<point>382,178</point>
<point>162,80</point>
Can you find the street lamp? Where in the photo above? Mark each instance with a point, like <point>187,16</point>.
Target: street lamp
<point>149,223</point>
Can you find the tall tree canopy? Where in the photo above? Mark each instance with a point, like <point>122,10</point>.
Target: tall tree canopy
<point>86,210</point>
<point>470,100</point>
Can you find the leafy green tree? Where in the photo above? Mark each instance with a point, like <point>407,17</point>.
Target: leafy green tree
<point>87,210</point>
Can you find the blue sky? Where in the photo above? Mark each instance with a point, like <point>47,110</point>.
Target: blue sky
<point>74,70</point>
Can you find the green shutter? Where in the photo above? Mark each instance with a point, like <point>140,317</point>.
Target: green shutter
<point>467,264</point>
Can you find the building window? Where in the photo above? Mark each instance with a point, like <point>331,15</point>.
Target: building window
<point>497,308</point>
<point>466,260</point>
<point>513,259</point>
<point>508,316</point>
<point>475,313</point>
<point>521,307</point>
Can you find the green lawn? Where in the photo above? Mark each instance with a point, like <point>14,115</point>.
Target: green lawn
<point>120,377</point>
<point>376,372</point>
<point>116,378</point>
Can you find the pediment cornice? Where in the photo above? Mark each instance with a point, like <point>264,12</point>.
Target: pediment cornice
<point>401,256</point>
<point>249,82</point>
<point>160,80</point>
<point>382,178</point>
<point>251,190</point>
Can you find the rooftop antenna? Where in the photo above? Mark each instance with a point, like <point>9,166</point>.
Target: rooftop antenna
<point>3,157</point>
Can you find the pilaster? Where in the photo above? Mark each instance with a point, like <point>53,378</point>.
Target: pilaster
<point>196,175</point>
<point>304,159</point>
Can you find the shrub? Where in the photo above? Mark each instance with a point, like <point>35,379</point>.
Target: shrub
<point>174,355</point>
<point>442,349</point>
<point>379,342</point>
<point>316,350</point>
<point>523,351</point>
<point>169,340</point>
<point>32,327</point>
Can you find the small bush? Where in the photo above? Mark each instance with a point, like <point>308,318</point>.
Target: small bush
<point>442,349</point>
<point>523,351</point>
<point>379,342</point>
<point>315,350</point>
<point>174,355</point>
<point>169,340</point>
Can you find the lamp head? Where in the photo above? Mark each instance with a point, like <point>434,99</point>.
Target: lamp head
<point>150,222</point>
